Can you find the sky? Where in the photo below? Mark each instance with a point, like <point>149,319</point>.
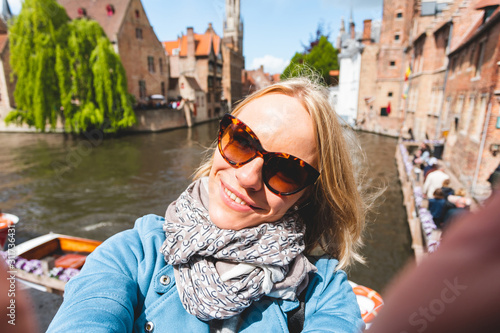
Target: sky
<point>273,29</point>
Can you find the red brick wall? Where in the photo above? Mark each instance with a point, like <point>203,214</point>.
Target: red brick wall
<point>134,53</point>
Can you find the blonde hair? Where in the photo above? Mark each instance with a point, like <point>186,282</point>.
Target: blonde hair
<point>335,212</point>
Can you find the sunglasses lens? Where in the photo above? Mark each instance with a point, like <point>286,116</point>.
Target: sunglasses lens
<point>285,175</point>
<point>236,144</point>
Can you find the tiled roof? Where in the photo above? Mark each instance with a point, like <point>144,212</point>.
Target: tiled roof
<point>96,10</point>
<point>203,43</point>
<point>475,28</point>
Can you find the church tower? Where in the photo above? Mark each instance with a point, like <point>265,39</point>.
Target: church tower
<point>232,56</point>
<point>233,26</point>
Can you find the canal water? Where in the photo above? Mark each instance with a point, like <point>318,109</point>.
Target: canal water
<point>94,188</point>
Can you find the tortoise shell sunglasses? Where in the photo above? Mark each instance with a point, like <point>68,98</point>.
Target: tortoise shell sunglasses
<point>282,173</point>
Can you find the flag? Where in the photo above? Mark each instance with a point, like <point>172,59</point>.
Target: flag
<point>408,72</point>
<point>405,90</point>
<point>389,108</point>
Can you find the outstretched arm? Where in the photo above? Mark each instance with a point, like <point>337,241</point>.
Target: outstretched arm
<point>102,298</point>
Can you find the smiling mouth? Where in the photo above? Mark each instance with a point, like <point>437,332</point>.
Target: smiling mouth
<point>235,198</point>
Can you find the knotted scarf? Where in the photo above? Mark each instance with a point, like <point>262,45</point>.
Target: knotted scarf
<point>220,272</point>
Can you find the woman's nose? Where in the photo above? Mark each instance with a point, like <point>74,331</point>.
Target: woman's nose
<point>249,175</point>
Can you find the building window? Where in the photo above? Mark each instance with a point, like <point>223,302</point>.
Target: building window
<point>453,65</point>
<point>399,15</point>
<point>392,63</point>
<point>389,94</point>
<point>478,119</point>
<point>161,65</point>
<point>480,58</point>
<point>163,88</point>
<point>467,115</point>
<point>151,64</point>
<point>142,89</point>
<point>471,57</point>
<point>488,11</point>
<point>383,112</point>
<point>110,9</point>
<point>138,33</point>
<point>137,14</point>
<point>209,98</point>
<point>397,37</point>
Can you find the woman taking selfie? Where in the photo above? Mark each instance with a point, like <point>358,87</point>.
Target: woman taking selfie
<point>263,232</point>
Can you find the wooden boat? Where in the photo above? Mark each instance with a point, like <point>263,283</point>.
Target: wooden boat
<point>6,221</point>
<point>53,253</point>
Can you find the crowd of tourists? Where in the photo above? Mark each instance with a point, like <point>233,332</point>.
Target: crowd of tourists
<point>445,203</point>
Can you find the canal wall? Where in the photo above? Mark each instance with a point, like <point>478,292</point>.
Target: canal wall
<point>148,120</point>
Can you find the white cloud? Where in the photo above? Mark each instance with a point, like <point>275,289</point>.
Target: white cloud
<point>272,65</point>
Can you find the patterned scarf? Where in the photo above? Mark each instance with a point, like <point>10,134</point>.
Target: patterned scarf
<point>220,272</point>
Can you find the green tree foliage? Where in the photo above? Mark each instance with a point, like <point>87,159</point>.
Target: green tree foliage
<point>320,56</point>
<point>68,70</point>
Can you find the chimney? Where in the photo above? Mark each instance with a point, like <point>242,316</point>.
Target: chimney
<point>367,32</point>
<point>190,42</point>
<point>352,31</point>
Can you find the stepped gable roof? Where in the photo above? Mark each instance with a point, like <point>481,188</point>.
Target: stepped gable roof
<point>193,83</point>
<point>97,10</point>
<point>203,44</point>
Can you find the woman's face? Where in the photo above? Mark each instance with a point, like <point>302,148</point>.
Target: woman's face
<point>282,124</point>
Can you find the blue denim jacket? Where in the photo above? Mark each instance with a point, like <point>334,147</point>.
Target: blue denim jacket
<point>126,286</point>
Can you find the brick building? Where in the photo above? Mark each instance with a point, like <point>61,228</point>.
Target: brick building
<point>388,104</point>
<point>198,56</point>
<point>6,85</point>
<point>368,117</point>
<point>427,56</point>
<point>438,67</point>
<point>471,112</point>
<point>232,53</point>
<point>256,79</point>
<point>128,28</point>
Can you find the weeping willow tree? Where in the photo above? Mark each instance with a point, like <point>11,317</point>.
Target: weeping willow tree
<point>92,81</point>
<point>66,70</point>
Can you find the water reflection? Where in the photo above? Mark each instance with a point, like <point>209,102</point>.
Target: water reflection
<point>94,189</point>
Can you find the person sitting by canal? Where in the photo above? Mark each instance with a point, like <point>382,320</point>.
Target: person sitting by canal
<point>436,207</point>
<point>447,190</point>
<point>267,227</point>
<point>422,156</point>
<point>431,166</point>
<point>434,181</point>
<point>456,204</point>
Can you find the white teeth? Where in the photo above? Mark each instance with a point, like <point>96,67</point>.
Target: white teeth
<point>234,197</point>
